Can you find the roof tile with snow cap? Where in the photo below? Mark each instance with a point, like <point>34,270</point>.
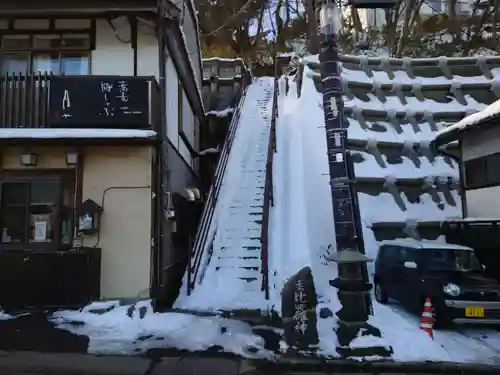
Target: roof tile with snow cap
<point>395,108</point>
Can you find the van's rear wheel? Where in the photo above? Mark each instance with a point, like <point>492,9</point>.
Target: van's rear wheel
<point>380,293</point>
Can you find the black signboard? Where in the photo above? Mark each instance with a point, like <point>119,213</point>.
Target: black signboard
<point>298,305</point>
<point>112,102</point>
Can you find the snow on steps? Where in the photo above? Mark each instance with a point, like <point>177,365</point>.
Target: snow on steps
<point>231,278</point>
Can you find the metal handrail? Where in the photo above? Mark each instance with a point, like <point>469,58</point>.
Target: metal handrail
<point>268,186</point>
<point>204,226</point>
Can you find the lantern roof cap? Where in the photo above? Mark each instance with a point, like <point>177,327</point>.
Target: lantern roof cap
<point>88,206</point>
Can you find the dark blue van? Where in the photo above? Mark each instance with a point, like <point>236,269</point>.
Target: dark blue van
<point>410,271</point>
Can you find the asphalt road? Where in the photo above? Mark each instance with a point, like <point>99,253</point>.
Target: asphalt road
<point>33,363</point>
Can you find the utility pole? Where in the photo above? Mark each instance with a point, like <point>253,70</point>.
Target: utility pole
<point>312,27</point>
<point>352,283</point>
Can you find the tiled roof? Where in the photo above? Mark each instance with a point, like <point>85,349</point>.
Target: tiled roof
<point>394,109</point>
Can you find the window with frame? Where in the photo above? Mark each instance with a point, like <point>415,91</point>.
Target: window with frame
<point>482,172</point>
<point>59,54</point>
<point>37,211</point>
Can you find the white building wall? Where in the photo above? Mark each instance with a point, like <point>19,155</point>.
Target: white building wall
<point>191,35</point>
<point>483,203</point>
<point>112,56</point>
<point>485,143</point>
<point>173,115</point>
<point>172,104</point>
<point>147,51</point>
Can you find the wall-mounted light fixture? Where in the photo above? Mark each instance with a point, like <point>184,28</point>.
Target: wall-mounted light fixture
<point>88,216</point>
<point>71,158</point>
<point>28,159</point>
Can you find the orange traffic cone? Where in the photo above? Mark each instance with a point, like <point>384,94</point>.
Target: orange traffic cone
<point>427,318</point>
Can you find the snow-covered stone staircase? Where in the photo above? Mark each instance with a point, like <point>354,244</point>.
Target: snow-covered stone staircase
<point>231,276</point>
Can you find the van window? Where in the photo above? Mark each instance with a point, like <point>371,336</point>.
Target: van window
<point>452,260</point>
<point>408,255</point>
<point>390,254</point>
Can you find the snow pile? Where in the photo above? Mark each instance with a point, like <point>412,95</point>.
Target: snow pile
<point>133,329</point>
<point>210,150</point>
<point>222,113</point>
<point>4,316</point>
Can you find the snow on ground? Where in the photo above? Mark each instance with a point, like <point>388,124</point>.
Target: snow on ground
<point>4,316</point>
<point>127,330</point>
<point>462,344</point>
<point>306,234</point>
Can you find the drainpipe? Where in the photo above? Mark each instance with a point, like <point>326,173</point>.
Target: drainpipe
<point>133,39</point>
<point>352,283</point>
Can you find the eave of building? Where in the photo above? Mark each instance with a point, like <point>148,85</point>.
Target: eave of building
<point>32,8</point>
<point>458,134</point>
<point>177,48</point>
<point>83,141</point>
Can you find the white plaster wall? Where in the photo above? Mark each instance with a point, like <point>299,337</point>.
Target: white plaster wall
<point>125,236</point>
<point>172,103</point>
<point>187,120</point>
<point>483,203</point>
<point>112,56</point>
<point>147,51</point>
<point>486,142</point>
<point>191,36</point>
<point>173,115</point>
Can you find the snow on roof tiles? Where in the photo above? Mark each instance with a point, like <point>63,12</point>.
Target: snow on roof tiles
<point>394,109</point>
<point>490,112</point>
<point>423,244</point>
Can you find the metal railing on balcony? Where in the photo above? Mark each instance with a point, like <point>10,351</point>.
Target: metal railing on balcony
<point>24,100</point>
<point>43,100</point>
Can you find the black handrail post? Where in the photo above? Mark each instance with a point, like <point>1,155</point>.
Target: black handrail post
<point>352,282</point>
